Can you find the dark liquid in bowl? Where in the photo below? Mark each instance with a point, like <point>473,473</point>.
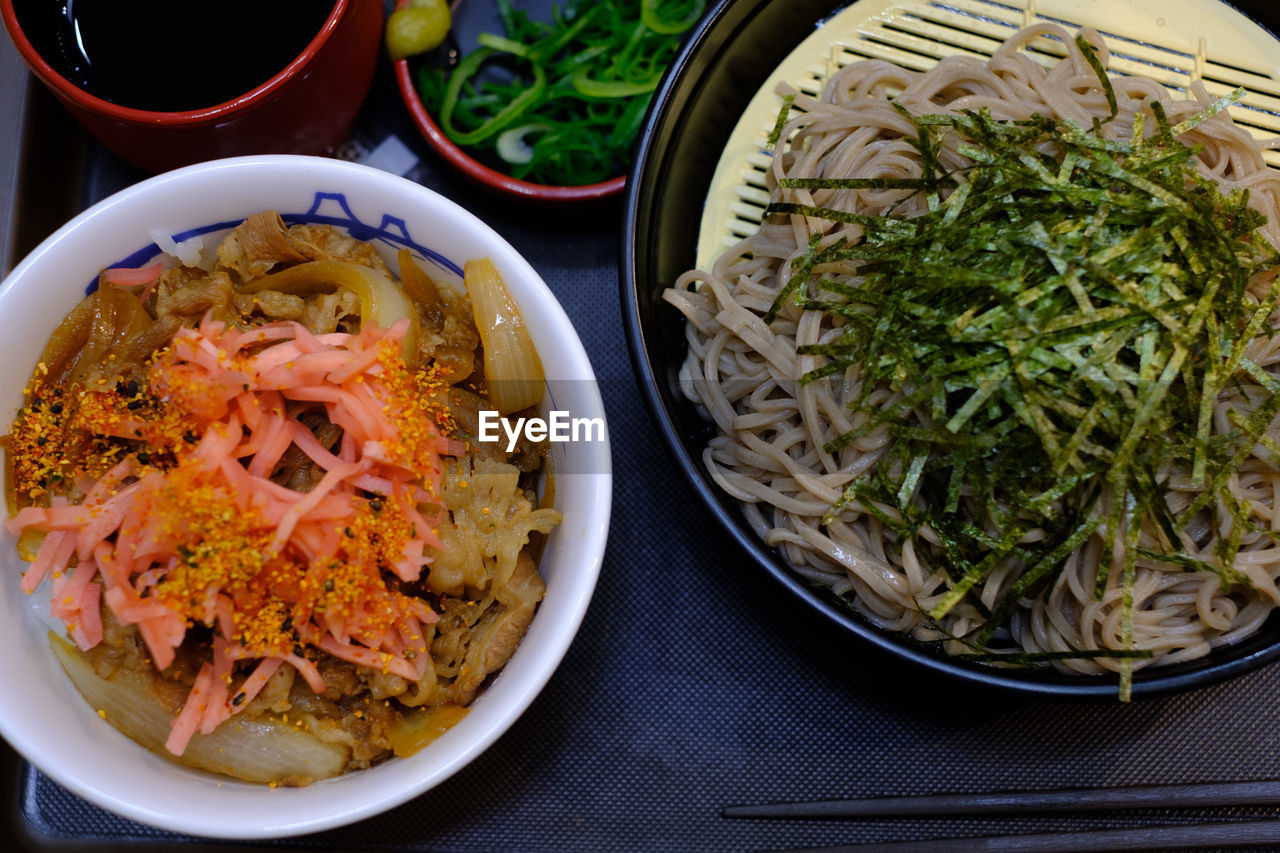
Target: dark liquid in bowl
<point>170,55</point>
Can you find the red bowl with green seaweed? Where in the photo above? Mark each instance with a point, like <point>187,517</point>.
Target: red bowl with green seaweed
<point>591,99</point>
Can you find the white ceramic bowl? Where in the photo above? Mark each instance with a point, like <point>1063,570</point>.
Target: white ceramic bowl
<point>43,716</point>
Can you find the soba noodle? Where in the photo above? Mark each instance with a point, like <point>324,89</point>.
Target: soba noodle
<point>770,453</point>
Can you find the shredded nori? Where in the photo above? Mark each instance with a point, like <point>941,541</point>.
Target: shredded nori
<point>1059,323</point>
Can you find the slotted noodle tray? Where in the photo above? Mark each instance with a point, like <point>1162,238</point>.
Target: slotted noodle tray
<point>1176,42</point>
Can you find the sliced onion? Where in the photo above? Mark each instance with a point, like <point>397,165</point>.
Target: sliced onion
<point>190,251</point>
<point>514,147</point>
<point>29,542</point>
<point>512,369</point>
<point>260,749</point>
<point>382,301</point>
<point>421,289</point>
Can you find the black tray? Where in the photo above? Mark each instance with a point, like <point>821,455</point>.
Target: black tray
<point>694,682</point>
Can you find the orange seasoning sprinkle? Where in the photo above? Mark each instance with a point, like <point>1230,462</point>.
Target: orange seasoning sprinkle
<point>416,407</point>
<point>62,434</point>
<point>38,462</point>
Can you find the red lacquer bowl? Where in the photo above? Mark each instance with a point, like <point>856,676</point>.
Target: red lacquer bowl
<point>307,108</point>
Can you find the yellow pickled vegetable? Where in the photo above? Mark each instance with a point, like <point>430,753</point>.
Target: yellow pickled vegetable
<point>512,369</point>
<point>418,27</point>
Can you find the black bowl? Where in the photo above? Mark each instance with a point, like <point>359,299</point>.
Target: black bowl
<point>723,63</point>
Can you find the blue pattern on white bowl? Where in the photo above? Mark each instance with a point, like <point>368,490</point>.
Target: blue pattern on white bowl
<point>327,208</point>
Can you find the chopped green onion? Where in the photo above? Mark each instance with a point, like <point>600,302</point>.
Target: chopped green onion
<point>652,16</point>
<point>584,78</point>
<point>503,45</point>
<point>512,110</point>
<point>592,88</point>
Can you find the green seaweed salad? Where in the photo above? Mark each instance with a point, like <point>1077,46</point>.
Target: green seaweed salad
<point>559,102</point>
<point>1060,326</point>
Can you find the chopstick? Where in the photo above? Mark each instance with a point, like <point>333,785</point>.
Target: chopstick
<point>1201,794</point>
<point>1243,834</point>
